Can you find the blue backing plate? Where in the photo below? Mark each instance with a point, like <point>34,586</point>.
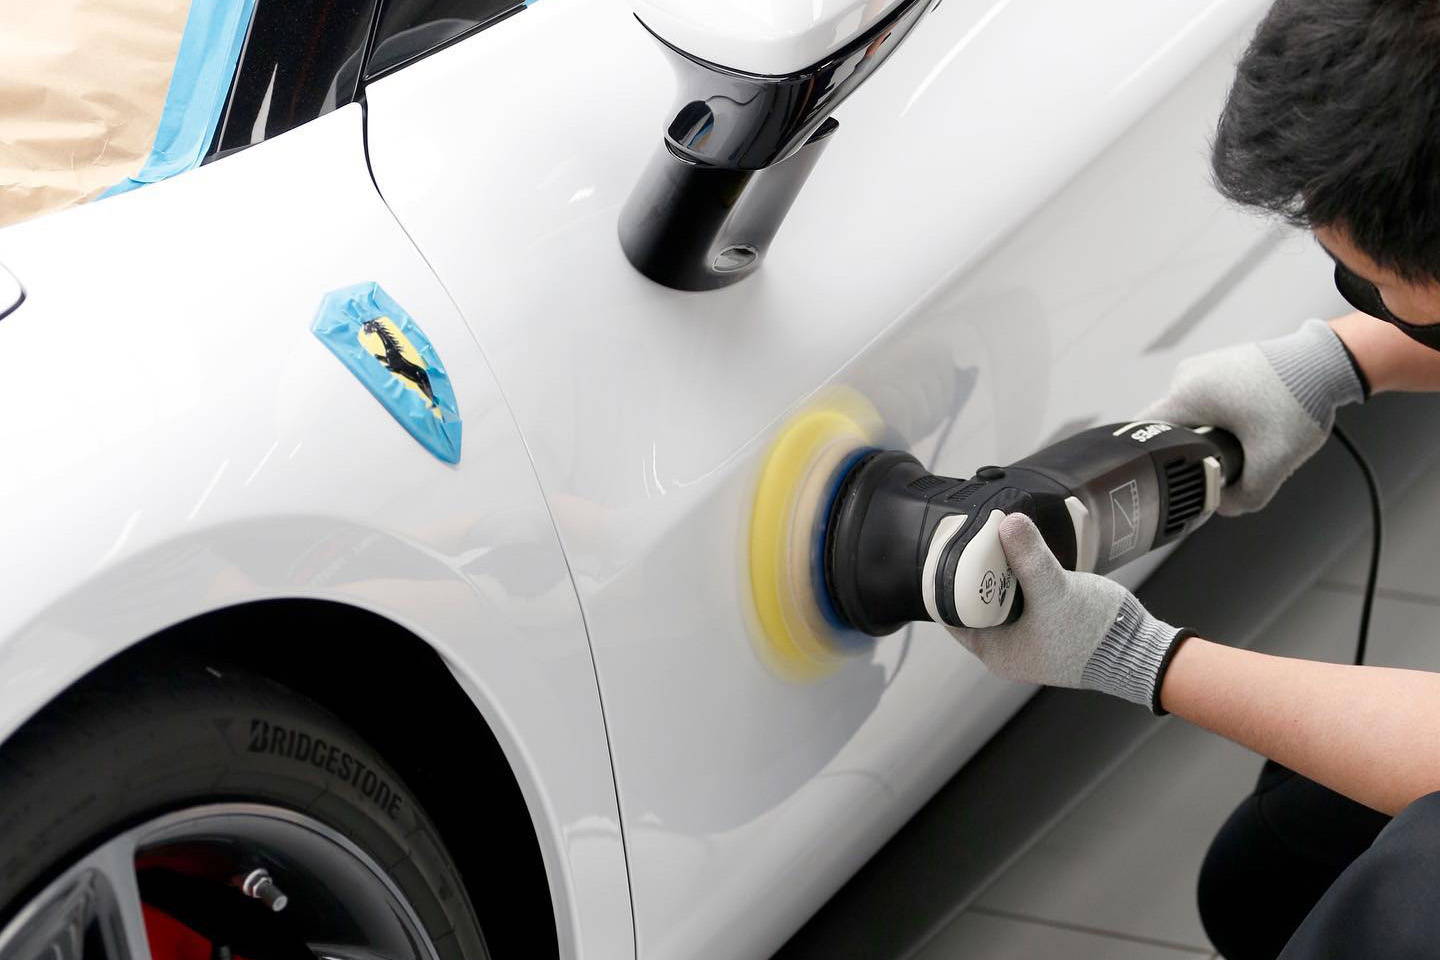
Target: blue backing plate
<point>849,636</point>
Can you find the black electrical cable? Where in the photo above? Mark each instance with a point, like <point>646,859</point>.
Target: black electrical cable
<point>1377,526</point>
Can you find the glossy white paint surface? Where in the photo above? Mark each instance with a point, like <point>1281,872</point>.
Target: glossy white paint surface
<point>1011,216</point>
<point>761,36</point>
<point>179,441</point>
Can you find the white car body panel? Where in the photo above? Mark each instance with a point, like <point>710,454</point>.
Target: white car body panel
<point>181,448</point>
<point>1021,192</point>
<point>761,36</point>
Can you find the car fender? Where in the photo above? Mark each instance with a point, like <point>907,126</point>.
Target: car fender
<point>180,442</point>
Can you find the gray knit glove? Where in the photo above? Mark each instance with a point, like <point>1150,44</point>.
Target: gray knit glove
<point>1077,629</point>
<point>1278,397</point>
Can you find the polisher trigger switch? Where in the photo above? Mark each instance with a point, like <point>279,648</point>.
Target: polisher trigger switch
<point>984,585</point>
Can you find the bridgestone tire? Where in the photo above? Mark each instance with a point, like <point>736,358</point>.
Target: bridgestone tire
<point>118,750</point>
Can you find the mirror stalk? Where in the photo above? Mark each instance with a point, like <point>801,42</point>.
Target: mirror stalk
<point>735,155</point>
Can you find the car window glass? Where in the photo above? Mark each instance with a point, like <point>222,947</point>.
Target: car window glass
<point>409,29</point>
<point>301,60</point>
<point>81,95</point>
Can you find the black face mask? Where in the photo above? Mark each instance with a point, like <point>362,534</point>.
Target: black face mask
<point>1365,297</point>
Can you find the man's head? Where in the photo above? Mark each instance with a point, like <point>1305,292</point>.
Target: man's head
<point>1333,123</point>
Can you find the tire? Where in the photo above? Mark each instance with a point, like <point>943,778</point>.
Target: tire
<point>124,747</point>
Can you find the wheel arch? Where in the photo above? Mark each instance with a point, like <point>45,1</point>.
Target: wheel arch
<point>396,691</point>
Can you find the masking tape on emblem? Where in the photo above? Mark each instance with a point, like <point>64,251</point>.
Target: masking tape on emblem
<point>386,349</point>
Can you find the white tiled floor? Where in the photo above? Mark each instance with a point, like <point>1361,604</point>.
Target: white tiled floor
<point>1126,858</point>
<point>1114,877</point>
<point>979,934</point>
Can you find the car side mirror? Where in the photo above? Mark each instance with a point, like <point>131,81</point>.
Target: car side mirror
<point>752,116</point>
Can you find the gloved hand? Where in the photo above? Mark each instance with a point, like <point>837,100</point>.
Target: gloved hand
<point>1278,397</point>
<point>1077,629</point>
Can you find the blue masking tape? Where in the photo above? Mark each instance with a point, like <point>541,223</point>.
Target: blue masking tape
<point>209,49</point>
<point>386,349</point>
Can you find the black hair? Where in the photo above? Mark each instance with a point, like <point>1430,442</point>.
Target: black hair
<point>1334,121</point>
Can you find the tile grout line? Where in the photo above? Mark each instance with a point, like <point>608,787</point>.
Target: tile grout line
<point>1381,593</point>
<point>1095,931</point>
<point>1044,830</point>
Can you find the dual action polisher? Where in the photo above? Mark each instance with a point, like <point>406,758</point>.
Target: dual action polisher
<point>889,543</point>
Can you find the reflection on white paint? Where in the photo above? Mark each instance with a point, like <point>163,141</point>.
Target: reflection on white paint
<point>261,465</point>
<point>1164,49</point>
<point>119,543</point>
<point>955,51</point>
<point>209,489</point>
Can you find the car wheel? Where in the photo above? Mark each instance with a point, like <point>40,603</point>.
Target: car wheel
<point>211,813</point>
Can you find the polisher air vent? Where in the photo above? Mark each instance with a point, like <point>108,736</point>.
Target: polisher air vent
<point>927,483</point>
<point>1185,494</point>
<point>959,494</point>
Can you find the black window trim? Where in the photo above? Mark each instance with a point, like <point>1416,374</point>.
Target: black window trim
<point>366,76</point>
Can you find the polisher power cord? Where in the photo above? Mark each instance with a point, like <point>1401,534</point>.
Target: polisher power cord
<point>1377,526</point>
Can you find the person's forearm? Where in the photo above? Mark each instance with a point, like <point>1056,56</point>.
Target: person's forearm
<point>1389,359</point>
<point>1370,733</point>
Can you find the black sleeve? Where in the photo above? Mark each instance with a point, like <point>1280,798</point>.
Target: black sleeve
<point>1386,905</point>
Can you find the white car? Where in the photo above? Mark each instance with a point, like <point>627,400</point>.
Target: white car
<point>291,665</point>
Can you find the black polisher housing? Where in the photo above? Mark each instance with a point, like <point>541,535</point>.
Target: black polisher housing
<point>885,515</point>
<point>1137,486</point>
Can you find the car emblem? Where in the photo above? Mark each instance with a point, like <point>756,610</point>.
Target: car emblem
<point>388,352</point>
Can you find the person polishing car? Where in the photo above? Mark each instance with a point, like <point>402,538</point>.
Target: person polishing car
<point>1333,123</point>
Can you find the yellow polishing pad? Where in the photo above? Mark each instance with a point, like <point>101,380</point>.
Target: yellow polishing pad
<point>793,495</point>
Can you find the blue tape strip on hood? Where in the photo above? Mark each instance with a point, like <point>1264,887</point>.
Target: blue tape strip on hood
<point>386,349</point>
<point>209,50</point>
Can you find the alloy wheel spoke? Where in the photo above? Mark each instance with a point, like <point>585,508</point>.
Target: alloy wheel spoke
<point>91,912</point>
<point>94,911</point>
<point>120,912</point>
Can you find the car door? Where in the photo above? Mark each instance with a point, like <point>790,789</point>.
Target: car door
<point>1011,236</point>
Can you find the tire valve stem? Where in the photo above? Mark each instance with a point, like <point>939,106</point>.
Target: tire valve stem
<point>259,884</point>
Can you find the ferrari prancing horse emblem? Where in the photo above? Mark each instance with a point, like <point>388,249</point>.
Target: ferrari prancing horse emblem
<point>389,346</point>
<point>388,352</point>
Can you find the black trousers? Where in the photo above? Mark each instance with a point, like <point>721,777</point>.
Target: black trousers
<point>1302,873</point>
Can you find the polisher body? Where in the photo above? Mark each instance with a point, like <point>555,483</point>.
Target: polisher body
<point>902,544</point>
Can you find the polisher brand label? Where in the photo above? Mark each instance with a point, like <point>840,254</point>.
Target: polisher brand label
<point>1149,432</point>
<point>266,737</point>
<point>1124,518</point>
